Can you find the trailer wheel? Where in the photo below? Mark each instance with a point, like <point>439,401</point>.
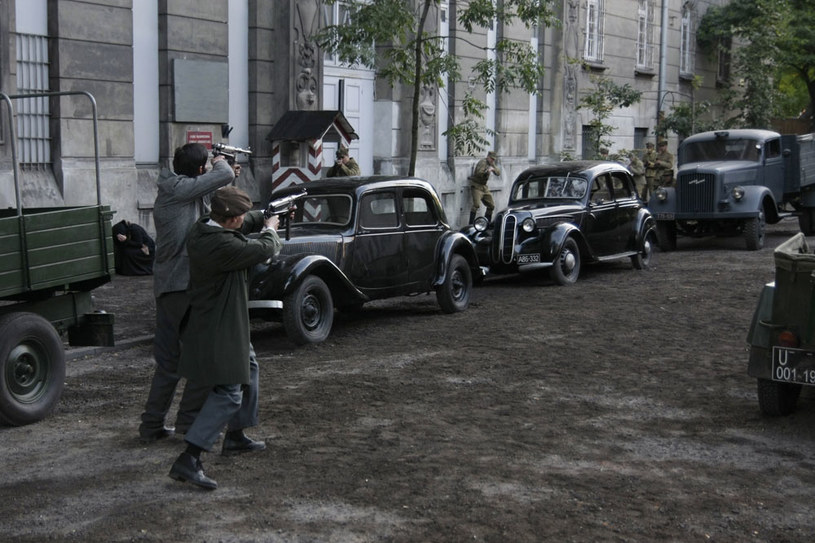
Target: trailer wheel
<point>754,232</point>
<point>32,368</point>
<point>777,399</point>
<point>806,220</point>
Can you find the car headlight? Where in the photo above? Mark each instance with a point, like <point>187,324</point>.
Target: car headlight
<point>528,225</point>
<point>661,194</point>
<point>481,224</point>
<point>737,192</point>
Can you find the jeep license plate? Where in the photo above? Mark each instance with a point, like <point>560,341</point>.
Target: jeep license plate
<point>793,366</point>
<point>664,216</point>
<point>529,259</point>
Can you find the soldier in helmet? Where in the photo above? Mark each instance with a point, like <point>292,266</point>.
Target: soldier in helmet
<point>664,165</point>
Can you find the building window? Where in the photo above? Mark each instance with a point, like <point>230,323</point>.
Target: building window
<point>686,49</point>
<point>593,51</point>
<point>645,23</point>
<point>723,69</point>
<point>33,114</point>
<point>336,14</point>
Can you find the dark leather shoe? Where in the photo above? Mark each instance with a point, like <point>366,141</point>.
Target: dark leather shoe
<point>245,444</point>
<point>188,469</point>
<point>149,435</point>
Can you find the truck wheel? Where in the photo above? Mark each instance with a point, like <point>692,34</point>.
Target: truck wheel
<point>754,232</point>
<point>806,220</point>
<point>666,235</point>
<point>566,267</point>
<point>454,294</point>
<point>308,312</point>
<point>642,260</point>
<point>32,368</point>
<point>777,399</point>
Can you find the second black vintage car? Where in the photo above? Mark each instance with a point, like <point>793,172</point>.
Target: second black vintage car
<point>352,240</point>
<point>561,215</point>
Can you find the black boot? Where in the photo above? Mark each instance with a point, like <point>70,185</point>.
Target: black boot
<point>488,215</point>
<point>472,217</point>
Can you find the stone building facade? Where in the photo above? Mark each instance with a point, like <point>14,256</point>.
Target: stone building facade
<point>164,72</point>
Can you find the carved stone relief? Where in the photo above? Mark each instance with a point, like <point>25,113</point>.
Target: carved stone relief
<point>427,118</point>
<point>307,21</point>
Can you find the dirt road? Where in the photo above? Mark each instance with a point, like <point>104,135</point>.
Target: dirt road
<point>618,409</point>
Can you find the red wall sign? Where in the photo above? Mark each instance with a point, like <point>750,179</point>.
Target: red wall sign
<point>202,137</point>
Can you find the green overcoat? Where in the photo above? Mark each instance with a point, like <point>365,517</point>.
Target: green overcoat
<point>215,338</point>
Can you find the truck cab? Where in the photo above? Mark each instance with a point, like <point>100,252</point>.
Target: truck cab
<point>729,182</point>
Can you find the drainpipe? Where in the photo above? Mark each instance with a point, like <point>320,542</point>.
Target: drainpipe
<point>663,60</point>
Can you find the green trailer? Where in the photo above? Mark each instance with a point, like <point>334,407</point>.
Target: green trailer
<point>50,261</point>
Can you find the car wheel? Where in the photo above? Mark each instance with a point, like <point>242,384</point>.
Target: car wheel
<point>454,294</point>
<point>642,260</point>
<point>666,235</point>
<point>308,312</point>
<point>32,368</point>
<point>777,399</point>
<point>566,266</point>
<point>754,232</point>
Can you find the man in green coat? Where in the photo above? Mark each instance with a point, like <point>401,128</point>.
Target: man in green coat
<point>479,190</point>
<point>216,349</point>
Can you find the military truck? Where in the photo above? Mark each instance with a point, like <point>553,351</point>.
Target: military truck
<point>734,182</point>
<point>50,261</point>
<point>781,338</point>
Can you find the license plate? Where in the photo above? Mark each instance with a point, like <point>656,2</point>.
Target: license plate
<point>793,366</point>
<point>529,259</point>
<point>665,216</point>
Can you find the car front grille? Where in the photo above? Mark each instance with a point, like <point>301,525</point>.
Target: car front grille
<point>696,192</point>
<point>508,236</point>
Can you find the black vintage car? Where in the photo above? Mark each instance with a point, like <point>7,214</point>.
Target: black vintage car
<point>352,240</point>
<point>561,215</point>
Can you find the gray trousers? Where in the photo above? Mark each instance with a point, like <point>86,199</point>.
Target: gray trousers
<point>232,406</point>
<point>170,310</point>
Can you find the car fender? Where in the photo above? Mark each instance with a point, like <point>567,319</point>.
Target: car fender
<point>759,197</point>
<point>645,224</point>
<point>560,233</point>
<point>455,243</point>
<point>286,273</point>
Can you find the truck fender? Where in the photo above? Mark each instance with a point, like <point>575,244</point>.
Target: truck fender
<point>668,205</point>
<point>760,197</point>
<point>452,243</point>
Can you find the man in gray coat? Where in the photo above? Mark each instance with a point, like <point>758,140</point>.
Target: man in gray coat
<point>217,351</point>
<point>180,201</point>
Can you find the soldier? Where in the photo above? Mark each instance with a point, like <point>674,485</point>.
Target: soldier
<point>664,165</point>
<point>478,185</point>
<point>637,169</point>
<point>344,166</point>
<point>649,158</point>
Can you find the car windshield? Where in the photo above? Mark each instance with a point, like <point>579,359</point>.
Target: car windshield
<point>333,209</point>
<point>721,149</point>
<point>554,187</point>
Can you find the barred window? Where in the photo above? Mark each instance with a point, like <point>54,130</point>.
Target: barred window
<point>33,131</point>
<point>593,50</point>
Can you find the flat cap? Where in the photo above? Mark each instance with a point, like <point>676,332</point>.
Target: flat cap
<point>230,202</point>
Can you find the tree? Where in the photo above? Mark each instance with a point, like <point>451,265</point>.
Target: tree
<point>602,101</point>
<point>773,38</point>
<point>392,37</point>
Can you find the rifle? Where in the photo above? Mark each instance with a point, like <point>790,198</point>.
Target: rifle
<point>284,207</point>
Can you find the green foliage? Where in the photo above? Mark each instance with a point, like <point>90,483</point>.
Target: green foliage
<point>686,118</point>
<point>773,57</point>
<point>391,36</point>
<point>602,101</point>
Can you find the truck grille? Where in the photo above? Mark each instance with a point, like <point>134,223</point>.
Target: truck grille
<point>508,238</point>
<point>697,192</point>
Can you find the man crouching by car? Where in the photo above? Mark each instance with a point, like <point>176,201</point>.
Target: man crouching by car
<point>216,350</point>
